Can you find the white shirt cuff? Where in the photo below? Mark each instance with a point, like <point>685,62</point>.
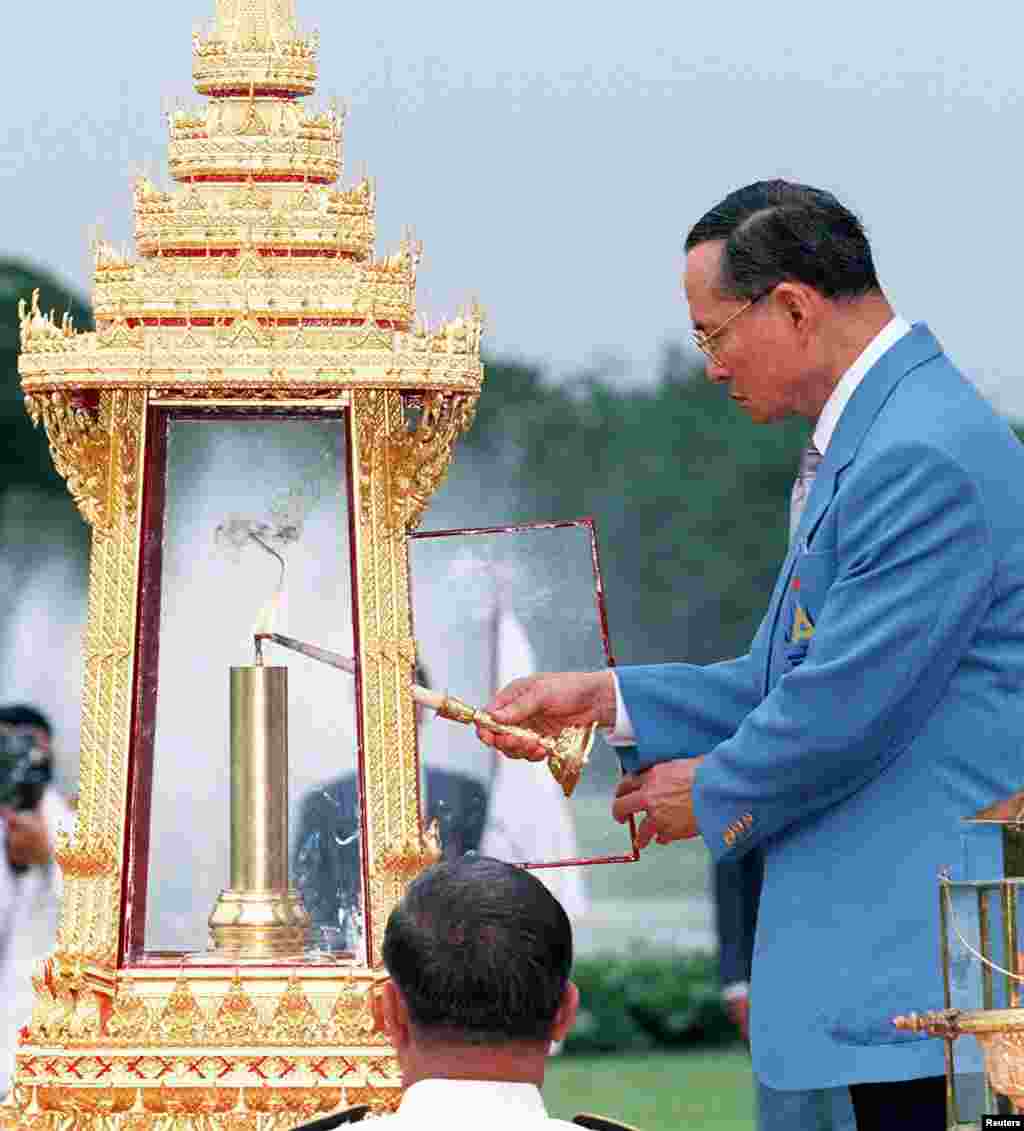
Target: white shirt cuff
<point>734,991</point>
<point>622,734</point>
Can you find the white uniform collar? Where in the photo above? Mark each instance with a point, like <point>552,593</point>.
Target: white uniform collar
<point>884,340</point>
<point>428,1099</point>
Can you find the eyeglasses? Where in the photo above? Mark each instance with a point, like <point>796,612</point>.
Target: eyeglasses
<point>702,339</point>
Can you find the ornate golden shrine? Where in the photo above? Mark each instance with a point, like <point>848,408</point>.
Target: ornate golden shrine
<point>255,291</point>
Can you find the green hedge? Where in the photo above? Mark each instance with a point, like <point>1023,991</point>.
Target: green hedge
<point>648,999</point>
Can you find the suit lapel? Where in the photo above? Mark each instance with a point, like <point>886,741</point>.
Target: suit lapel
<point>913,349</point>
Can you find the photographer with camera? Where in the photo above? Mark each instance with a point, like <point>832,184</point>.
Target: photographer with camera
<point>31,811</point>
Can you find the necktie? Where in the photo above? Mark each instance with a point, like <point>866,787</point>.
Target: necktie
<point>810,457</point>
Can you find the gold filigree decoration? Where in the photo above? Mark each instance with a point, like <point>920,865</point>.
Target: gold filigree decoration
<point>382,1101</point>
<point>71,1000</point>
<point>130,1019</point>
<point>182,1019</point>
<point>85,448</point>
<point>237,1019</point>
<point>403,650</point>
<point>80,447</point>
<point>295,1020</point>
<point>418,461</point>
<point>409,859</point>
<point>253,125</point>
<point>87,858</point>
<point>414,463</point>
<point>351,1018</point>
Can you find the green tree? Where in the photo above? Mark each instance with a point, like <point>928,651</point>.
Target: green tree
<point>689,496</point>
<point>25,456</point>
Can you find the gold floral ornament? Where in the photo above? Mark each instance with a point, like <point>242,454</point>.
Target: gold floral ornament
<point>182,1019</point>
<point>87,857</point>
<point>237,1018</point>
<point>351,1020</point>
<point>130,1019</point>
<point>98,459</point>
<point>80,448</point>
<point>410,858</point>
<point>72,999</point>
<point>416,461</point>
<point>295,1020</point>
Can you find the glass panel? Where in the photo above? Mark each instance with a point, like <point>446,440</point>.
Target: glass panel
<point>489,606</point>
<point>985,950</point>
<point>256,527</point>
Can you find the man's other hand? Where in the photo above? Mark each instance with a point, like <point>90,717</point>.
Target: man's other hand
<point>548,703</point>
<point>665,794</point>
<point>28,838</point>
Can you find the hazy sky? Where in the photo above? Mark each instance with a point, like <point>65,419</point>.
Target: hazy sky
<point>551,155</point>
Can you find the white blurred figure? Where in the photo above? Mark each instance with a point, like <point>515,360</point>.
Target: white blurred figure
<point>528,816</point>
<point>30,881</point>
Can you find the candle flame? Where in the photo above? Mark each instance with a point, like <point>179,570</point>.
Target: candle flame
<point>266,618</point>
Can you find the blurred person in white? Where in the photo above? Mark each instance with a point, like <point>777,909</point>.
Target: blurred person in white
<point>529,819</point>
<point>31,812</point>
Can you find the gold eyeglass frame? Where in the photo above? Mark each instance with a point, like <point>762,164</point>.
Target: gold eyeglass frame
<point>702,340</point>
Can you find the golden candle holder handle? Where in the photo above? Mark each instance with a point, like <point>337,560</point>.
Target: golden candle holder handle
<point>568,751</point>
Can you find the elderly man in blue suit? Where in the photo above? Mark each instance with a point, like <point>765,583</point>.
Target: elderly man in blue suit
<point>880,700</point>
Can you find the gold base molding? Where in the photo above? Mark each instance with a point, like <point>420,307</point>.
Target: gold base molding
<point>256,924</point>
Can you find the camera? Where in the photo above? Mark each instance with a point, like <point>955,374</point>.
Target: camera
<point>25,772</point>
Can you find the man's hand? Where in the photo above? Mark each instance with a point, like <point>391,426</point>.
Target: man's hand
<point>28,838</point>
<point>548,703</point>
<point>665,794</point>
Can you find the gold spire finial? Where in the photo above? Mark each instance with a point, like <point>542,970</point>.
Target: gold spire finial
<point>260,20</point>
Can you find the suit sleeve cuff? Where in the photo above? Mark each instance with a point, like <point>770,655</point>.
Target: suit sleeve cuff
<point>622,734</point>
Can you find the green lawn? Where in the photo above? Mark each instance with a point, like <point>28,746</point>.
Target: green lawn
<point>658,1091</point>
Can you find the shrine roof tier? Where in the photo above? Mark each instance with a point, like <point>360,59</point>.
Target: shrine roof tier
<point>248,354</point>
<point>275,285</point>
<point>255,47</point>
<point>303,219</point>
<point>272,137</point>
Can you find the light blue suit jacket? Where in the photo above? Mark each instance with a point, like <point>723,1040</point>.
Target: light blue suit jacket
<point>881,701</point>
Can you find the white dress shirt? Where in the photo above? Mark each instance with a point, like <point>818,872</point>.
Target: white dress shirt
<point>622,734</point>
<point>454,1105</point>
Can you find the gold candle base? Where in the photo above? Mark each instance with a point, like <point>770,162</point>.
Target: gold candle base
<point>258,924</point>
<point>259,915</point>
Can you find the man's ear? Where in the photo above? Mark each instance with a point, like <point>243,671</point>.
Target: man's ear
<point>801,305</point>
<point>392,1015</point>
<point>566,1015</point>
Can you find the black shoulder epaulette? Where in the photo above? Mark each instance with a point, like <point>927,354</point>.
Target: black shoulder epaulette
<point>601,1123</point>
<point>338,1119</point>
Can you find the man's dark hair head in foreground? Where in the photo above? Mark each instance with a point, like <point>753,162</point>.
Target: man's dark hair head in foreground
<point>479,954</point>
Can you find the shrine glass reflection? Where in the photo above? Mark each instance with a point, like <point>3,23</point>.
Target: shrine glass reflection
<point>490,605</point>
<point>256,536</point>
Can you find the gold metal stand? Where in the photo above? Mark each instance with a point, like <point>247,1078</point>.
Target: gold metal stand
<point>259,916</point>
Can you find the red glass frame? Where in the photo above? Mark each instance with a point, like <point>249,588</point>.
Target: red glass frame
<point>132,950</point>
<point>590,524</point>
